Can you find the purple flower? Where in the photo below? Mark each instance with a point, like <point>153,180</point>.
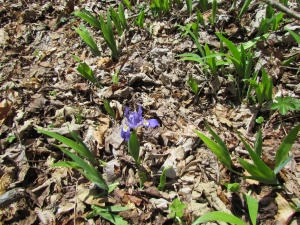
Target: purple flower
<point>135,120</point>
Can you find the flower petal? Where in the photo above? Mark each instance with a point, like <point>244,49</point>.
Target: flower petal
<point>140,110</point>
<point>151,123</point>
<point>125,132</point>
<point>126,113</point>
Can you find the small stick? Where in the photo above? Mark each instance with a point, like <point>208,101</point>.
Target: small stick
<point>283,8</point>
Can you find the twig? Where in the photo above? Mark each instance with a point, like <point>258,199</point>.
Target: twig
<point>283,8</point>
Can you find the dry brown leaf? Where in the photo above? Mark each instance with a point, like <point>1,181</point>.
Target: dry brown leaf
<point>5,181</point>
<point>5,108</point>
<point>285,212</point>
<point>99,132</point>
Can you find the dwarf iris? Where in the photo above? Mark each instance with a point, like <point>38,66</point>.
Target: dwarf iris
<point>135,120</point>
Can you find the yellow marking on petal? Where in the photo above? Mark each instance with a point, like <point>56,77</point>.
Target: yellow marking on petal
<point>145,122</point>
<point>125,128</point>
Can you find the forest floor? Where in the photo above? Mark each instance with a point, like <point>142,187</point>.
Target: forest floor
<point>40,87</point>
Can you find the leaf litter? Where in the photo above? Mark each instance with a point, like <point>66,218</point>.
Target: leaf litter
<point>40,87</point>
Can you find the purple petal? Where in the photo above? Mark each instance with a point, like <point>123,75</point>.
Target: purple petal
<point>125,132</point>
<point>140,110</point>
<point>126,112</point>
<point>151,123</point>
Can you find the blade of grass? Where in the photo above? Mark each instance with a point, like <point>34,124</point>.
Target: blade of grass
<point>72,144</point>
<point>285,146</point>
<point>219,216</point>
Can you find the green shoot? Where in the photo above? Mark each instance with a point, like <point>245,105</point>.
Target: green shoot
<point>88,74</point>
<point>219,148</point>
<point>296,36</point>
<point>140,19</point>
<point>108,213</point>
<point>219,216</point>
<point>203,5</point>
<point>108,35</point>
<point>87,38</point>
<point>234,187</point>
<point>189,6</point>
<point>89,18</point>
<point>162,179</point>
<point>78,163</point>
<point>193,85</point>
<point>134,147</point>
<point>252,204</point>
<point>214,13</point>
<point>244,8</point>
<point>128,5</point>
<point>108,108</point>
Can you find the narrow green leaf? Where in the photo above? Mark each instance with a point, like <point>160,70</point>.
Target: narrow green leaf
<point>252,204</point>
<point>281,165</point>
<point>85,152</point>
<point>219,216</point>
<point>88,171</point>
<point>134,146</point>
<point>244,8</point>
<point>122,16</point>
<point>116,20</point>
<point>88,17</point>
<point>87,38</point>
<point>258,174</point>
<point>234,187</point>
<point>232,48</point>
<point>127,3</point>
<point>285,146</point>
<point>221,152</point>
<point>258,143</point>
<point>68,164</point>
<point>162,179</point>
<point>108,109</point>
<point>189,6</point>
<point>296,36</point>
<point>263,169</point>
<point>110,208</point>
<point>115,219</point>
<point>193,85</point>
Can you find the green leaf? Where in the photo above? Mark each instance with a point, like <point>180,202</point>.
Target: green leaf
<point>115,18</point>
<point>176,208</point>
<point>68,164</point>
<point>115,219</point>
<point>258,143</point>
<point>296,36</point>
<point>219,150</point>
<point>283,164</point>
<point>258,174</point>
<point>162,179</point>
<point>193,85</point>
<point>134,146</point>
<point>260,120</point>
<point>234,187</point>
<point>87,38</point>
<point>88,17</point>
<point>122,16</point>
<point>79,148</point>
<point>259,169</point>
<point>244,8</point>
<point>87,170</point>
<point>140,19</point>
<point>285,146</point>
<point>189,6</point>
<point>284,105</point>
<point>108,109</point>
<point>252,204</point>
<point>219,216</point>
<point>127,3</point>
<point>108,36</point>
